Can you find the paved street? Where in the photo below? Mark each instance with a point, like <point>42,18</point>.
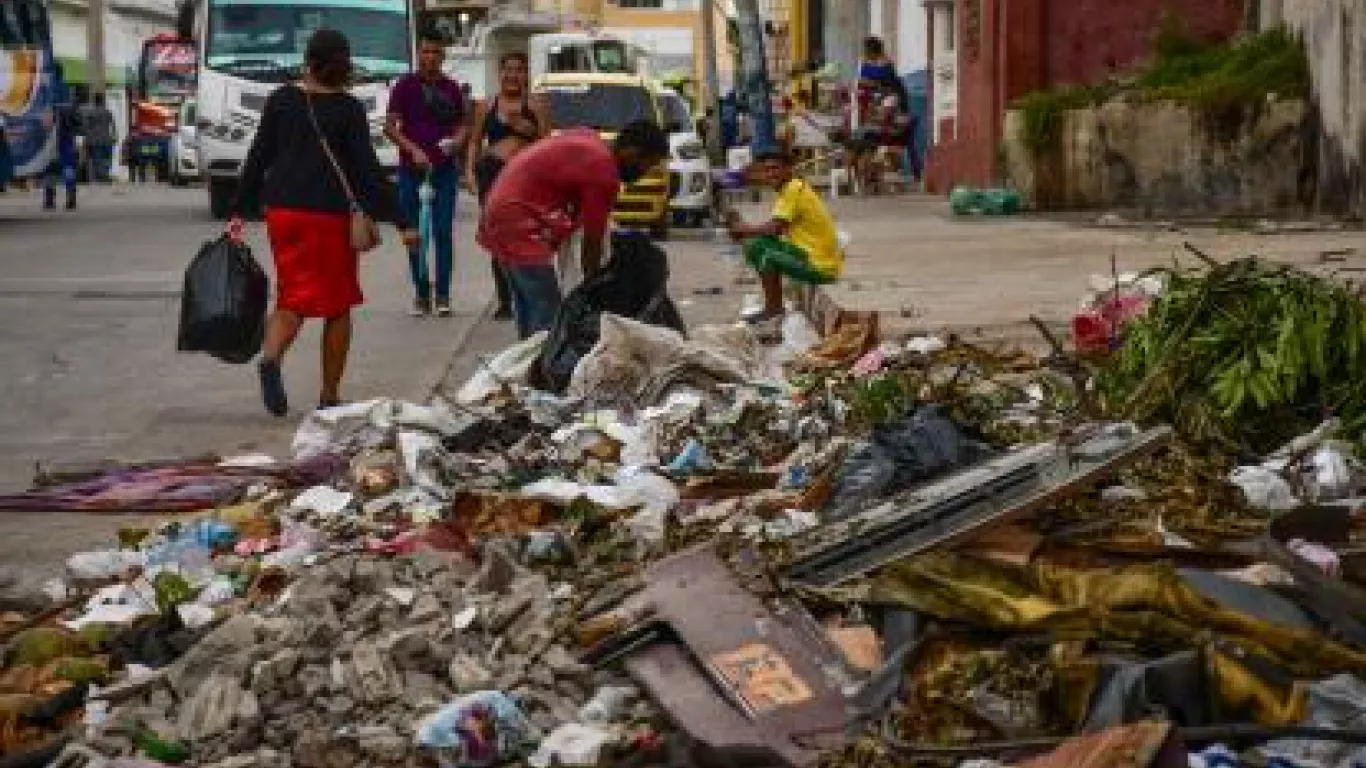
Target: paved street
<point>88,309</point>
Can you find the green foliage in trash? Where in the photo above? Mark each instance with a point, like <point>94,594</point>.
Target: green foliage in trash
<point>40,645</point>
<point>86,670</point>
<point>879,399</point>
<point>1246,355</point>
<point>171,590</point>
<point>1226,82</point>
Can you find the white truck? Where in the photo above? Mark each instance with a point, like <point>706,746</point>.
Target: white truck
<point>249,48</point>
<point>548,51</point>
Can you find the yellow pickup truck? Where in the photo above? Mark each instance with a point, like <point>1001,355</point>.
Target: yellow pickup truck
<point>607,103</point>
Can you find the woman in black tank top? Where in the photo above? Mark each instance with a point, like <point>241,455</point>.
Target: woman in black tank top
<point>504,126</point>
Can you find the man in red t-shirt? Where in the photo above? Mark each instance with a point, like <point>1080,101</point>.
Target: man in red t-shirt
<point>548,191</point>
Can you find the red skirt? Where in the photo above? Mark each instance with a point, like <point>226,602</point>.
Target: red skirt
<point>316,270</point>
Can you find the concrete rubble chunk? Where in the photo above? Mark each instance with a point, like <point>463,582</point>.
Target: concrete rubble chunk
<point>468,674</point>
<point>374,680</point>
<point>408,648</point>
<point>382,744</point>
<point>426,608</point>
<point>226,651</point>
<point>276,670</point>
<point>219,705</point>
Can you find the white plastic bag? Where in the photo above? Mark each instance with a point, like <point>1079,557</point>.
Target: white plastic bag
<point>571,744</point>
<point>511,366</point>
<point>104,564</point>
<point>1264,488</point>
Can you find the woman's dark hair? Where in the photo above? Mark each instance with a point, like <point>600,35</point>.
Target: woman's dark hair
<point>513,56</point>
<point>873,46</point>
<point>329,58</point>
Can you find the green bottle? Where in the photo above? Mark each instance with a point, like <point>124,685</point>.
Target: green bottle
<point>152,745</point>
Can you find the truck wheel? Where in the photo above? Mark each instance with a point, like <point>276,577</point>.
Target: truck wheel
<point>220,198</point>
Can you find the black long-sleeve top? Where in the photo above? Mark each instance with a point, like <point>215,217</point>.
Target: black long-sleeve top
<point>287,167</point>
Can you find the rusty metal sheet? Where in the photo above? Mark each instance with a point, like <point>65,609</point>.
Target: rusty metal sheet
<point>739,673</point>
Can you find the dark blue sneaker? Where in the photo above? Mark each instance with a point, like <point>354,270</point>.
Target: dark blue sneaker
<point>273,388</point>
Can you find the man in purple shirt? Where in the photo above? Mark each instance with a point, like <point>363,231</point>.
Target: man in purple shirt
<point>427,120</point>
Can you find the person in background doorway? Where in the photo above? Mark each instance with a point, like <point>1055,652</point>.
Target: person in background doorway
<point>552,189</point>
<point>799,241</point>
<point>310,164</point>
<point>101,137</point>
<point>63,168</point>
<point>505,125</point>
<point>876,69</point>
<point>427,120</point>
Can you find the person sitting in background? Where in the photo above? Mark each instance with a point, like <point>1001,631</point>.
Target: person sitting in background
<point>799,241</point>
<point>876,69</point>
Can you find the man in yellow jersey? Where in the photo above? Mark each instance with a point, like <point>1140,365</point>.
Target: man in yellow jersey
<point>799,241</point>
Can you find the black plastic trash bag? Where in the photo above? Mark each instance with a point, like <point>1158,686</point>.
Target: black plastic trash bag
<point>223,307</point>
<point>634,285</point>
<point>920,447</point>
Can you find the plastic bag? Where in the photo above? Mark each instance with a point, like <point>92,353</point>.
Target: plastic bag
<point>572,744</point>
<point>634,285</point>
<point>478,729</point>
<point>1264,488</point>
<point>918,448</point>
<point>223,307</point>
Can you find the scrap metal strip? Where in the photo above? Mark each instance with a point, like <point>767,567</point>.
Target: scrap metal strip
<point>1005,494</point>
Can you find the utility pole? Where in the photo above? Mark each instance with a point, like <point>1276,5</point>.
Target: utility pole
<point>757,91</point>
<point>713,83</point>
<point>94,36</point>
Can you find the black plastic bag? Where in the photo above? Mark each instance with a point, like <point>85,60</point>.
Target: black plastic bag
<point>922,446</point>
<point>634,285</point>
<point>223,307</point>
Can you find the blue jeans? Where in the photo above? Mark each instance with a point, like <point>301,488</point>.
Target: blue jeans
<point>101,161</point>
<point>535,296</point>
<point>446,184</point>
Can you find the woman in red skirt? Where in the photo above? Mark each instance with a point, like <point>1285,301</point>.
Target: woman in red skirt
<point>310,161</point>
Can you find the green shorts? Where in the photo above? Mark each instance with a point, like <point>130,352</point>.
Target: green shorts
<point>772,254</point>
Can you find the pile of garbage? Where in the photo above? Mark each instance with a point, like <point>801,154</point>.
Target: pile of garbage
<point>704,551</point>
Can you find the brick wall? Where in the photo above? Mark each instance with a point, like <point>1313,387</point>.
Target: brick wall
<point>1010,48</point>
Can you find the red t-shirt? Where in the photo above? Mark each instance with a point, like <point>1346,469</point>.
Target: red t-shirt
<point>547,191</point>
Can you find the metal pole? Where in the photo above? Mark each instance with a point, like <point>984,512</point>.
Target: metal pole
<point>94,36</point>
<point>712,79</point>
<point>756,84</point>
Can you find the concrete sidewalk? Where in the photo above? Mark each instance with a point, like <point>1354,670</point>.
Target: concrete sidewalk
<point>920,269</point>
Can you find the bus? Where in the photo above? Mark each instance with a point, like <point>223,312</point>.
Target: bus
<point>29,87</point>
<point>165,79</point>
<point>251,47</point>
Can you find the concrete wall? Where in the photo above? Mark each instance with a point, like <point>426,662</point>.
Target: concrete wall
<point>1334,34</point>
<point>1167,160</point>
<point>1008,49</point>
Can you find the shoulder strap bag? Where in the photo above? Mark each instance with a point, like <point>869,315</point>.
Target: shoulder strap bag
<point>364,232</point>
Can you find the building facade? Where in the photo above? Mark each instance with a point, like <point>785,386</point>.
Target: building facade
<point>985,54</point>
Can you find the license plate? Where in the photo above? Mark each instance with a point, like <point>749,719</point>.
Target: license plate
<point>151,152</point>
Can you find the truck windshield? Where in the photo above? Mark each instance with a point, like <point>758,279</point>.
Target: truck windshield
<point>168,70</point>
<point>267,41</point>
<point>604,107</point>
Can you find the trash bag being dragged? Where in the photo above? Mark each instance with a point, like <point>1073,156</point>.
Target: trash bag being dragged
<point>634,285</point>
<point>223,307</point>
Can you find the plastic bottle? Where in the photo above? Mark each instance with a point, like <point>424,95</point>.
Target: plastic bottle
<point>162,750</point>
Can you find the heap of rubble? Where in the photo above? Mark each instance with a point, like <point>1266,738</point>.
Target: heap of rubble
<point>846,553</point>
